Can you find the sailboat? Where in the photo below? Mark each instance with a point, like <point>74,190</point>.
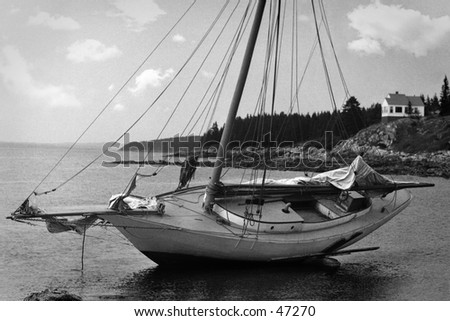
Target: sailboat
<point>258,221</point>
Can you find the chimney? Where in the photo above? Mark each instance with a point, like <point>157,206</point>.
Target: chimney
<point>396,92</point>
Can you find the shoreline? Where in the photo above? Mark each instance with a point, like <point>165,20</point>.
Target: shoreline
<point>436,164</point>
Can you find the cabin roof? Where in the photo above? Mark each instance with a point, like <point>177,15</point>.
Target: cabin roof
<point>401,99</point>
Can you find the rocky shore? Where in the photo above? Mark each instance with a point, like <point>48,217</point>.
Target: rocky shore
<point>404,147</point>
<point>419,147</point>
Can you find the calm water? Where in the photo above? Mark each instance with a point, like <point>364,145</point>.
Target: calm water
<point>412,264</point>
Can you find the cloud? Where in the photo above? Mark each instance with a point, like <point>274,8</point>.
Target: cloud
<point>178,38</point>
<point>119,107</point>
<point>367,46</point>
<point>382,27</point>
<point>137,13</point>
<point>15,72</point>
<point>55,22</point>
<point>13,9</point>
<point>151,77</point>
<point>91,50</point>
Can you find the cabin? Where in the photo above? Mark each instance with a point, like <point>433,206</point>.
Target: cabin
<point>396,106</point>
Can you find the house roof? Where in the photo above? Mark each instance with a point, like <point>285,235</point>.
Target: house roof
<point>401,99</point>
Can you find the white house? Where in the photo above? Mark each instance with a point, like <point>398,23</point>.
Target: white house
<point>397,105</point>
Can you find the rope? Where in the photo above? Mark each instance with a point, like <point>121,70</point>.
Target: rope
<point>175,77</point>
<point>327,75</point>
<point>260,104</point>
<point>203,61</point>
<point>82,248</point>
<point>274,87</point>
<point>104,109</point>
<point>233,47</point>
<point>218,91</point>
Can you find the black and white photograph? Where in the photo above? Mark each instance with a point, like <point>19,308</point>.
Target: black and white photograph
<point>292,152</point>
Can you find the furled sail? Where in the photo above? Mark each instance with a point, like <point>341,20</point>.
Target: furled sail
<point>58,225</point>
<point>358,175</point>
<point>117,201</point>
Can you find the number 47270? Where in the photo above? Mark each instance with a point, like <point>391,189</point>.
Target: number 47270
<point>296,311</point>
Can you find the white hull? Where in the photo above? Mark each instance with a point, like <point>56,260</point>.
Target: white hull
<point>186,233</point>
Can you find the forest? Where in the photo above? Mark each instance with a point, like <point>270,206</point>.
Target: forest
<point>297,128</point>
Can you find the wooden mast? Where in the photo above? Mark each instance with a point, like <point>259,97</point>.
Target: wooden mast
<point>209,200</point>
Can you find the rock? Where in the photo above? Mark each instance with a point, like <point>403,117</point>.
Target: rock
<point>52,295</point>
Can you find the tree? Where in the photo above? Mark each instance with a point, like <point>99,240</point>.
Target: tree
<point>352,116</point>
<point>445,98</point>
<point>435,106</point>
<point>212,135</point>
<point>427,104</point>
<point>409,109</point>
<point>372,115</point>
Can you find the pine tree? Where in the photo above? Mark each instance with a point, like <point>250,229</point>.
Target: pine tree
<point>409,109</point>
<point>427,103</point>
<point>352,116</point>
<point>445,98</point>
<point>435,103</point>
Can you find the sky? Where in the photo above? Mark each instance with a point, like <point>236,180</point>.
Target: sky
<point>62,61</point>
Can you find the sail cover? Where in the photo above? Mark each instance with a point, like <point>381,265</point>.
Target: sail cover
<point>357,173</point>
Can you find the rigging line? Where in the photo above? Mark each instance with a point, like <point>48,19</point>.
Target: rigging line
<point>259,107</point>
<point>311,53</point>
<point>278,43</point>
<point>277,60</point>
<point>233,47</point>
<point>293,52</point>
<point>111,100</point>
<point>260,104</point>
<point>82,248</point>
<point>209,87</point>
<point>212,81</point>
<point>218,92</point>
<point>201,65</point>
<point>297,103</point>
<point>219,88</point>
<point>276,68</point>
<point>294,68</point>
<point>272,43</point>
<point>323,57</point>
<point>175,77</point>
<point>300,83</point>
<point>341,74</point>
<point>137,120</point>
<point>327,76</point>
<point>262,94</point>
<point>327,28</point>
<point>221,85</point>
<point>278,135</point>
